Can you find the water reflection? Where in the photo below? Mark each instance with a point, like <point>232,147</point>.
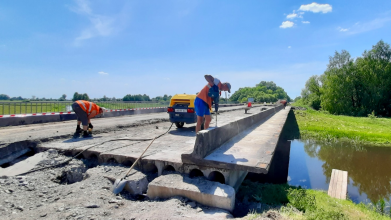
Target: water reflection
<point>369,168</point>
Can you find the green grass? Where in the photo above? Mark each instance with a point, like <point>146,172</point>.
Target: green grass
<point>31,107</point>
<point>321,125</point>
<point>297,203</point>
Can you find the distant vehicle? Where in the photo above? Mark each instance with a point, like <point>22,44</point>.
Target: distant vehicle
<point>181,110</point>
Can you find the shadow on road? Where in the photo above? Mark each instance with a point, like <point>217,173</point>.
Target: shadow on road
<point>78,139</point>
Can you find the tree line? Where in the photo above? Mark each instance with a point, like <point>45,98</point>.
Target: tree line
<point>353,86</point>
<point>262,92</point>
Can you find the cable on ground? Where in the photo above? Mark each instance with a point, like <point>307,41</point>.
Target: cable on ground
<point>66,161</point>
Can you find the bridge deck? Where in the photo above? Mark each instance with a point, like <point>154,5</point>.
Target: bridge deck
<point>167,149</point>
<point>250,151</point>
<point>253,149</point>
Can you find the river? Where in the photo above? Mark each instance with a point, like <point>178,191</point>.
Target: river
<point>369,168</point>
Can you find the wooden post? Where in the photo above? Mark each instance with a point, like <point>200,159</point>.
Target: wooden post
<point>338,187</point>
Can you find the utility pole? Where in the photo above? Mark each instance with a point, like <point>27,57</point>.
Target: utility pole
<point>226,100</point>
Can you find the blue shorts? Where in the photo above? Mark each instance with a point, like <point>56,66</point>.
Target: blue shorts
<point>201,108</point>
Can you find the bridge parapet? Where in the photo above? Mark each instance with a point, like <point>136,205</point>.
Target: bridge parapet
<point>209,140</point>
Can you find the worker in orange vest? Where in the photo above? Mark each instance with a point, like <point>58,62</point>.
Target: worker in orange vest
<point>203,102</point>
<point>283,102</point>
<point>84,111</point>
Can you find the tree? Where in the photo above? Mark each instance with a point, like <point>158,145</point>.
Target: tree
<point>4,97</point>
<point>297,98</point>
<point>17,98</point>
<point>312,92</point>
<point>85,97</point>
<point>138,97</point>
<point>63,98</point>
<point>354,86</point>
<point>262,92</point>
<point>105,98</point>
<point>77,96</point>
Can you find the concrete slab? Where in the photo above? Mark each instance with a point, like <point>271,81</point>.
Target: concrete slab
<point>27,164</point>
<point>200,190</point>
<point>136,182</point>
<point>252,150</point>
<point>209,140</point>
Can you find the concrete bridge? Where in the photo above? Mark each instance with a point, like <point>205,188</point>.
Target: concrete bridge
<point>241,144</point>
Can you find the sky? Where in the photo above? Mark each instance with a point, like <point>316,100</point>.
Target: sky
<point>155,47</point>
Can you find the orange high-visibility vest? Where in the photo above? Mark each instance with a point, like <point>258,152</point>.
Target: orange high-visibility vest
<point>88,107</point>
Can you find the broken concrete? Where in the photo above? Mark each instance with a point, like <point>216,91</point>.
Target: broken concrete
<point>36,196</point>
<point>198,189</point>
<point>9,152</point>
<point>136,182</point>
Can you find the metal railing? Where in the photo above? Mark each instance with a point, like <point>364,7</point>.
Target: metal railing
<point>31,107</point>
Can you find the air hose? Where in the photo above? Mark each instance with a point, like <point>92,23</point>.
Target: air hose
<point>118,139</point>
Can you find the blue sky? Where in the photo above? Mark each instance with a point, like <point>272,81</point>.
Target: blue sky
<point>114,48</point>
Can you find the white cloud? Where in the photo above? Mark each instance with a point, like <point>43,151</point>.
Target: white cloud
<point>103,73</point>
<point>287,24</point>
<point>101,25</point>
<point>305,22</point>
<point>343,29</point>
<point>289,47</point>
<point>377,23</point>
<point>292,16</point>
<point>316,8</point>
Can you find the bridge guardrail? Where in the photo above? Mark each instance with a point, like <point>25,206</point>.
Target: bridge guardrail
<point>33,107</point>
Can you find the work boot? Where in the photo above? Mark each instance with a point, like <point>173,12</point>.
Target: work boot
<point>78,130</point>
<point>86,134</point>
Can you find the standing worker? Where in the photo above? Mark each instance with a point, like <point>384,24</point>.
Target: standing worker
<point>284,103</point>
<point>203,102</point>
<point>85,110</point>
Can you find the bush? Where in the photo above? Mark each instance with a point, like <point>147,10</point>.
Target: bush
<point>299,199</point>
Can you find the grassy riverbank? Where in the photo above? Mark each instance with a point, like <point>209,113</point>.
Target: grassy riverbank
<point>321,125</point>
<point>296,203</point>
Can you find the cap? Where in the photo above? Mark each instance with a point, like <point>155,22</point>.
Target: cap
<point>229,86</point>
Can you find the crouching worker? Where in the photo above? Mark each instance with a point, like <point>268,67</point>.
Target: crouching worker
<point>84,111</point>
<point>203,103</point>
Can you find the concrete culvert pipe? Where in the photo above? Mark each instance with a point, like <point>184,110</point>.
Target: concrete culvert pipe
<point>81,156</point>
<point>111,161</point>
<point>93,157</point>
<point>150,168</point>
<point>217,177</point>
<point>195,173</point>
<point>127,163</point>
<point>168,169</point>
<point>92,161</point>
